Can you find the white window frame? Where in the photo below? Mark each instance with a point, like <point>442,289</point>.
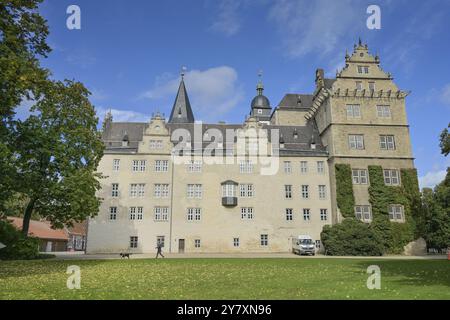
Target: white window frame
<point>194,214</point>
<point>391,179</point>
<point>372,83</point>
<point>384,111</point>
<point>132,213</point>
<point>289,214</point>
<point>194,166</point>
<point>264,240</point>
<point>356,141</point>
<point>156,144</point>
<point>288,191</point>
<point>322,191</point>
<point>360,176</point>
<point>306,214</point>
<point>387,142</point>
<point>363,213</point>
<point>359,85</point>
<point>287,167</point>
<point>353,111</point>
<point>197,243</point>
<point>116,165</point>
<point>161,190</point>
<point>303,167</point>
<point>194,191</point>
<point>161,165</point>
<point>247,213</point>
<point>246,166</point>
<point>305,191</point>
<point>161,213</point>
<point>229,190</point>
<point>114,190</point>
<point>134,242</point>
<point>112,215</point>
<point>246,190</point>
<point>236,242</point>
<point>396,213</point>
<point>321,167</point>
<point>323,214</point>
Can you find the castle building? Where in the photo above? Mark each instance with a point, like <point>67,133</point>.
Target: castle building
<point>255,186</point>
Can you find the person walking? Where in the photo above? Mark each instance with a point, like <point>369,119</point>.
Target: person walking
<point>159,248</point>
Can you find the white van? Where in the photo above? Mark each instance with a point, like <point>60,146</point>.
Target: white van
<point>304,244</point>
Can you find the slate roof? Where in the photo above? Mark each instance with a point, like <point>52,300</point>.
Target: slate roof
<point>297,101</point>
<point>181,110</point>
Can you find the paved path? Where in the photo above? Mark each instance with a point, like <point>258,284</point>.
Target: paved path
<point>82,256</point>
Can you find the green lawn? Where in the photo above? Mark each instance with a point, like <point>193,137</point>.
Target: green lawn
<point>226,279</point>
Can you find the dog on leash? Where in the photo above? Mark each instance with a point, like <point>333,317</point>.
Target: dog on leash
<point>125,255</point>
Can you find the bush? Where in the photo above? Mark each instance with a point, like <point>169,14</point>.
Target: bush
<point>351,238</point>
<point>344,190</point>
<point>18,247</point>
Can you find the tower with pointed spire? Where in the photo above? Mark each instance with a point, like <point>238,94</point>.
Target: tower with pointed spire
<point>260,106</point>
<point>181,110</point>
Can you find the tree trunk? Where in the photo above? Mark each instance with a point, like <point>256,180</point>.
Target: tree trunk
<point>27,217</point>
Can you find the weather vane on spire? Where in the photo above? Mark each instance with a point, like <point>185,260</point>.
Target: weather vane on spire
<point>260,86</point>
<point>183,72</point>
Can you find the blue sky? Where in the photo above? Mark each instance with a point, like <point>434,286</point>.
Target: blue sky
<point>129,54</point>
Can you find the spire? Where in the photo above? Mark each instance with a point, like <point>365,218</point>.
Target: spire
<point>181,110</point>
<point>260,85</point>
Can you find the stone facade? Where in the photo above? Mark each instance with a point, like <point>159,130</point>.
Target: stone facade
<point>153,194</point>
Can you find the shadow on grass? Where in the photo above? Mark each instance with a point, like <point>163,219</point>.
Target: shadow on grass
<point>414,272</point>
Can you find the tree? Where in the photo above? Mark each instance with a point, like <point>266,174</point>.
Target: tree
<point>57,151</point>
<point>445,141</point>
<point>437,219</point>
<point>23,34</point>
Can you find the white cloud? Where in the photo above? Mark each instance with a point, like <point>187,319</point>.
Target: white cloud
<point>314,26</point>
<point>212,92</point>
<point>432,178</point>
<point>122,115</point>
<point>227,21</point>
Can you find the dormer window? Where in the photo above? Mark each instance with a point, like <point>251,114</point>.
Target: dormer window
<point>363,69</point>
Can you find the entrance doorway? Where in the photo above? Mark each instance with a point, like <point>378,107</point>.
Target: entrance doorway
<point>180,245</point>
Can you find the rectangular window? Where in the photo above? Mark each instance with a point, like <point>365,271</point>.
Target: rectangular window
<point>305,191</point>
<point>133,242</point>
<point>366,69</point>
<point>318,244</point>
<point>320,167</point>
<point>115,190</point>
<point>116,165</point>
<point>264,240</point>
<point>194,214</point>
<point>303,166</point>
<point>387,142</point>
<point>363,213</point>
<point>307,214</point>
<point>160,241</point>
<point>323,214</point>
<point>383,111</point>
<point>194,166</point>
<point>132,213</point>
<point>194,191</point>
<point>396,213</point>
<point>289,215</point>
<point>391,177</point>
<point>140,213</point>
<point>197,243</point>
<point>156,144</point>
<point>246,213</point>
<point>356,141</point>
<point>322,192</point>
<point>161,190</point>
<point>161,213</point>
<point>235,242</point>
<point>353,111</point>
<point>360,69</point>
<point>372,86</point>
<point>359,85</point>
<point>246,166</point>
<point>288,191</point>
<point>112,213</point>
<point>246,190</point>
<point>229,190</point>
<point>139,165</point>
<point>287,167</point>
<point>360,176</point>
<point>137,190</point>
<point>161,165</point>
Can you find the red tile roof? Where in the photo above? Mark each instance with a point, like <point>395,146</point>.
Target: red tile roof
<point>41,229</point>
